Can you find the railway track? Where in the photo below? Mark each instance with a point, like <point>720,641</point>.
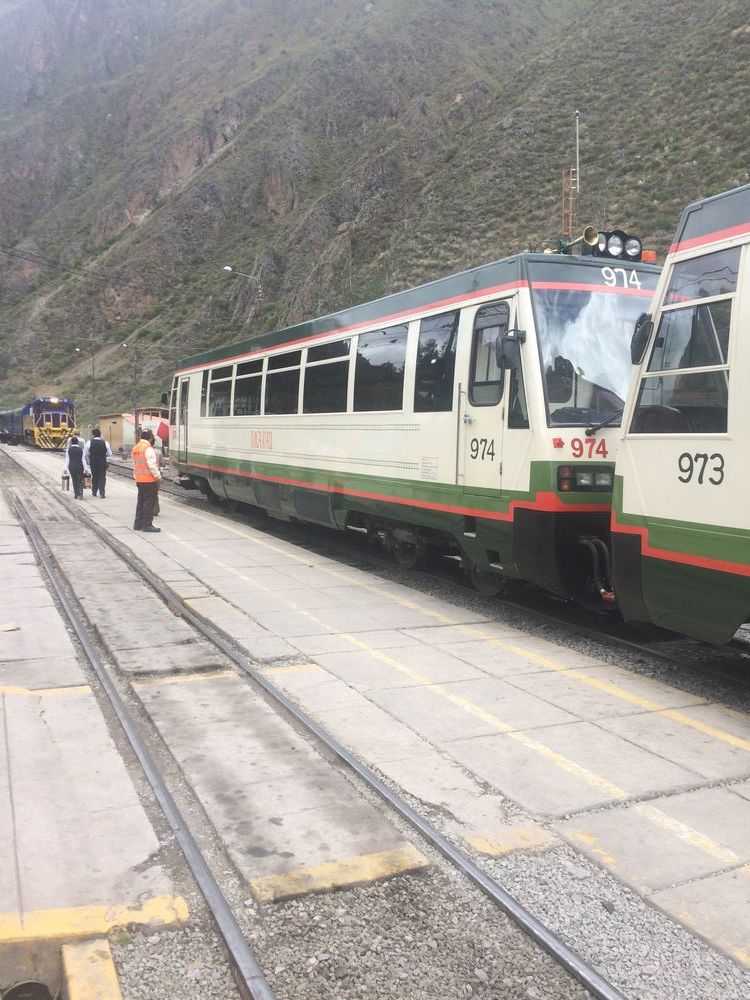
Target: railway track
<point>248,974</point>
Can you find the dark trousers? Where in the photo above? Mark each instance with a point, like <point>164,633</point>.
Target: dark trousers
<point>76,476</point>
<point>144,511</point>
<point>98,477</point>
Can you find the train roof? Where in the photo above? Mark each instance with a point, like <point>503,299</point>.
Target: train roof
<point>498,276</point>
<point>711,219</point>
<point>56,400</point>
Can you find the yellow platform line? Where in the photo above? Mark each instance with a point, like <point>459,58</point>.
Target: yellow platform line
<point>513,838</point>
<point>88,921</point>
<point>361,870</point>
<point>89,971</point>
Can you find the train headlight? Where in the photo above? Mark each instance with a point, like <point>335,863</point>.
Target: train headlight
<point>615,245</point>
<point>633,248</point>
<point>619,245</point>
<point>585,478</point>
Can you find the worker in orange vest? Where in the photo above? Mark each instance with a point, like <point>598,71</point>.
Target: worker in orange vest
<point>147,478</point>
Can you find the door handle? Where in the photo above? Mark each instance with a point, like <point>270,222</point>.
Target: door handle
<point>468,419</point>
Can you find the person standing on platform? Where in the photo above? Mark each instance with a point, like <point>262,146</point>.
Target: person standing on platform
<point>97,451</point>
<point>147,478</point>
<point>76,465</point>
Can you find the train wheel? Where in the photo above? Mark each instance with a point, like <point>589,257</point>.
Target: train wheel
<point>407,556</point>
<point>486,582</point>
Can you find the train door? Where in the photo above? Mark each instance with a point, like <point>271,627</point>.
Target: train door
<point>182,420</point>
<point>496,436</point>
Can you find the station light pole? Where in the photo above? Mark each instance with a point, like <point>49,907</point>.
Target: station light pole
<point>253,277</point>
<point>82,350</point>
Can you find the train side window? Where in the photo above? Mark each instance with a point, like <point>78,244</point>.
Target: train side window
<point>247,388</point>
<point>703,277</point>
<point>247,396</point>
<point>689,403</point>
<point>518,412</point>
<point>436,362</point>
<point>220,392</point>
<point>486,382</point>
<point>282,383</point>
<point>173,404</point>
<point>695,336</point>
<point>379,371</point>
<point>204,393</point>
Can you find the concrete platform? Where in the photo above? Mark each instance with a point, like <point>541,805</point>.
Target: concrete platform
<point>504,732</point>
<point>79,853</point>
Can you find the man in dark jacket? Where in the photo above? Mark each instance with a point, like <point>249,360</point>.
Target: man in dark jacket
<point>75,463</point>
<point>97,451</point>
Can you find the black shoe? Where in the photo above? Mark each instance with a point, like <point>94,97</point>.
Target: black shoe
<point>137,529</point>
<point>151,528</point>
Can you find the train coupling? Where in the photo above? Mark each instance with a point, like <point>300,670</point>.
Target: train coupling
<point>600,580</point>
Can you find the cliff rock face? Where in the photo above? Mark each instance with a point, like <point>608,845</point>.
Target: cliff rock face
<point>333,150</point>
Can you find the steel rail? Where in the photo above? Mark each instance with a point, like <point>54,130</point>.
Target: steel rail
<point>248,974</point>
<point>565,956</point>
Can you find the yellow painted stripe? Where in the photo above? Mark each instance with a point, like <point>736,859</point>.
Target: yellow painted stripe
<point>46,692</point>
<point>361,870</point>
<point>514,838</point>
<point>688,834</point>
<point>89,971</point>
<point>89,921</point>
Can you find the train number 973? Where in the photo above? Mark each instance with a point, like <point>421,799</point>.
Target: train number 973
<point>701,468</point>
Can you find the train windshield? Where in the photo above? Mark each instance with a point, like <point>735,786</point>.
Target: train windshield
<point>584,345</point>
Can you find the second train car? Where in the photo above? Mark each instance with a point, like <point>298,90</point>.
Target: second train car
<point>681,527</point>
<point>477,415</point>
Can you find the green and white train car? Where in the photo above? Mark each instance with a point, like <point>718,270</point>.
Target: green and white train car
<point>681,519</point>
<point>455,416</point>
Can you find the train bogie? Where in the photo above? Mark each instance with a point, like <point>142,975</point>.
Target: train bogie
<point>475,416</point>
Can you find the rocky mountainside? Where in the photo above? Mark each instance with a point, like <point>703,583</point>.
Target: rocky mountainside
<point>334,150</point>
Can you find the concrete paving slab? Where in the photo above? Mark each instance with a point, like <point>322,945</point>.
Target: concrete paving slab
<point>441,784</point>
<point>73,802</point>
<point>604,692</point>
<point>226,617</point>
<point>288,624</point>
<point>658,844</point>
<point>41,635</point>
<point>397,615</point>
<point>711,740</point>
<point>397,668</point>
<point>26,597</point>
<point>278,805</point>
<point>267,650</point>
<point>41,674</point>
<point>313,645</point>
<point>444,635</point>
<point>13,535</point>
<point>743,789</point>
<point>512,837</point>
<point>183,658</point>
<point>6,517</point>
<point>566,768</point>
<point>463,709</point>
<point>716,908</point>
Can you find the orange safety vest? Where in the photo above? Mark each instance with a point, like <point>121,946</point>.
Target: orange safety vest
<point>141,471</point>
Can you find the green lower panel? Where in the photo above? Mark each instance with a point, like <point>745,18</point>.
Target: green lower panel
<point>701,603</point>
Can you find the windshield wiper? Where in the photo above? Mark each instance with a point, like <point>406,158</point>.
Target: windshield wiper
<point>590,431</point>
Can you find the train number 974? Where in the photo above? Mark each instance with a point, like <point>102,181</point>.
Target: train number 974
<point>588,447</point>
